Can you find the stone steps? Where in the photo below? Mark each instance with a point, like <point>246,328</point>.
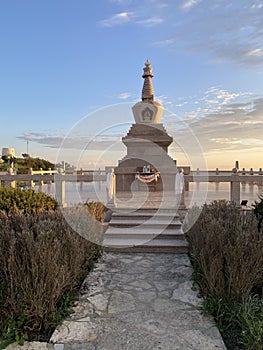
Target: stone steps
<point>143,233</point>
<point>153,246</point>
<point>145,223</point>
<point>145,230</point>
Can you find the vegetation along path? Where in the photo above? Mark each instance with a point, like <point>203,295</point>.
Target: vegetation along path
<point>137,301</point>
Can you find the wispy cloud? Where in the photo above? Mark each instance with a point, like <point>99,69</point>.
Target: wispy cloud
<point>255,52</point>
<point>225,30</point>
<point>117,19</point>
<point>122,2</point>
<point>124,95</point>
<point>77,142</point>
<point>189,3</point>
<point>221,121</point>
<point>233,126</point>
<point>151,21</point>
<point>47,139</point>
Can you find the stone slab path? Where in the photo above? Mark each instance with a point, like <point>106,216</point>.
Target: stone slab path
<point>137,301</point>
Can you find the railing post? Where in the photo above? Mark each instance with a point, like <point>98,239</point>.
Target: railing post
<point>60,191</point>
<point>111,190</point>
<point>32,184</point>
<point>50,173</point>
<point>41,181</point>
<point>11,172</point>
<point>235,189</point>
<point>186,185</point>
<point>181,201</point>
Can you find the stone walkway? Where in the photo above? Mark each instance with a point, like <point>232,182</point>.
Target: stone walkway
<point>137,302</point>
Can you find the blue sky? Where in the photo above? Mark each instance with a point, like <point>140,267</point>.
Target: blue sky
<point>72,68</point>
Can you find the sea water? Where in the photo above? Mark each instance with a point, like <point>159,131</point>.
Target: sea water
<point>198,194</point>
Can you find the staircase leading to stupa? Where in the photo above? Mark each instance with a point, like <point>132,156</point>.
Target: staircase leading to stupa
<point>148,230</point>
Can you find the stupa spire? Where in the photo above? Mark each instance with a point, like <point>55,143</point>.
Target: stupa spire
<point>147,110</point>
<point>147,90</point>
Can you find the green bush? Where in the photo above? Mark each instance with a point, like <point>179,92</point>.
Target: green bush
<point>23,164</point>
<point>12,199</point>
<point>42,261</point>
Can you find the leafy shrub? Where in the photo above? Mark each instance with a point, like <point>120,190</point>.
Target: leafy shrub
<point>23,164</point>
<point>42,261</point>
<point>12,199</point>
<point>37,163</point>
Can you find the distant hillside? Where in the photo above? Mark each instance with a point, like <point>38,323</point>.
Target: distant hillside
<point>23,164</point>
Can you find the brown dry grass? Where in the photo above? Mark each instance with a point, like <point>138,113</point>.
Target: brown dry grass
<point>41,260</point>
<point>227,251</point>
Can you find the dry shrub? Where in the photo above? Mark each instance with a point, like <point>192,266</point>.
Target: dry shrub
<point>227,251</point>
<point>97,210</point>
<point>41,260</point>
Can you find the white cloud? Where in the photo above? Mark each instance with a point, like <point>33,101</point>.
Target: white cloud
<point>121,2</point>
<point>150,21</point>
<point>232,122</point>
<point>225,30</point>
<point>118,19</point>
<point>256,6</point>
<point>189,3</point>
<point>255,52</point>
<point>124,95</point>
<point>96,143</point>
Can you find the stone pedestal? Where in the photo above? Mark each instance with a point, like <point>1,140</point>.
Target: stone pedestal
<point>147,145</point>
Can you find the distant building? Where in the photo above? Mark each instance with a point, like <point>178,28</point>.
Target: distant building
<point>9,152</point>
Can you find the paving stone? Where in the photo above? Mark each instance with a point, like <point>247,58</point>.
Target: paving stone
<point>79,346</point>
<point>146,296</point>
<point>141,284</point>
<point>168,306</point>
<point>28,346</point>
<point>75,331</point>
<point>81,310</point>
<point>99,301</point>
<point>121,302</point>
<point>185,293</point>
<point>201,341</point>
